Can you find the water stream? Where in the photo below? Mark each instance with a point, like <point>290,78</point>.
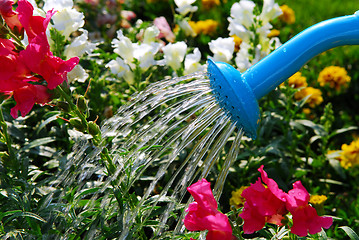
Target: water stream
<point>173,129</point>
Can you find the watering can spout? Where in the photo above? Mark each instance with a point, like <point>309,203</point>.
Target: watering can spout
<point>237,93</point>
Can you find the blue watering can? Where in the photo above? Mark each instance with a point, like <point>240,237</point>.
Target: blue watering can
<point>237,93</point>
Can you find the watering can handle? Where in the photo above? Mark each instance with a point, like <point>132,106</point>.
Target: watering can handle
<point>282,63</point>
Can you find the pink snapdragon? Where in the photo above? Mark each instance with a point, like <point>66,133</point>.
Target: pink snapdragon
<point>263,204</point>
<point>305,217</point>
<point>29,74</point>
<point>203,214</point>
<point>165,29</point>
<point>269,204</point>
<point>10,16</point>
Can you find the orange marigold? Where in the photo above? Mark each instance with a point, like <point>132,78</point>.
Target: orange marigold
<point>314,96</point>
<point>334,76</point>
<point>288,15</point>
<point>349,156</point>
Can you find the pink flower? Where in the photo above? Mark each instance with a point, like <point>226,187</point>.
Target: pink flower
<point>22,73</point>
<point>27,96</point>
<point>39,59</point>
<point>13,72</point>
<point>165,29</point>
<point>263,204</point>
<point>270,204</point>
<point>33,25</point>
<point>305,217</point>
<point>204,215</point>
<point>9,15</point>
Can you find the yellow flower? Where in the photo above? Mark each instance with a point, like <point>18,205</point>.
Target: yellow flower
<point>207,4</point>
<point>237,200</point>
<point>288,15</point>
<point>335,76</point>
<point>317,199</point>
<point>237,42</point>
<point>205,27</point>
<point>297,80</point>
<point>314,96</point>
<point>273,33</point>
<point>349,156</point>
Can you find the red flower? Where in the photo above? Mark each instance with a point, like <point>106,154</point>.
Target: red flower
<point>13,72</point>
<point>19,70</point>
<point>9,15</point>
<point>263,204</point>
<point>39,59</point>
<point>203,213</point>
<point>270,204</point>
<point>305,217</point>
<point>27,96</point>
<point>33,25</point>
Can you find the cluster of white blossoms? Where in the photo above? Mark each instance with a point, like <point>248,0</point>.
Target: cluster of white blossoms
<point>144,52</point>
<point>251,29</point>
<point>243,23</point>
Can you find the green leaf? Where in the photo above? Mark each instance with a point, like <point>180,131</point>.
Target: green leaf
<point>350,232</point>
<point>38,142</point>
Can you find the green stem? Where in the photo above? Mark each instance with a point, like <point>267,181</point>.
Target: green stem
<point>7,139</point>
<point>72,105</point>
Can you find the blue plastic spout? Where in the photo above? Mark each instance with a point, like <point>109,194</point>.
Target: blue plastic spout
<point>237,93</point>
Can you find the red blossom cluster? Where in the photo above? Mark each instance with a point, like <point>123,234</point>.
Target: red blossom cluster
<point>203,214</point>
<point>269,204</point>
<point>28,74</point>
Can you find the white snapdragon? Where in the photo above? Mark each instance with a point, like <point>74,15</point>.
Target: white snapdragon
<point>78,74</point>
<point>121,69</point>
<point>184,6</point>
<point>79,46</point>
<point>192,62</point>
<point>123,47</point>
<point>222,48</point>
<point>174,54</point>
<point>242,18</point>
<point>150,34</point>
<point>145,54</point>
<point>188,31</point>
<point>270,11</point>
<point>67,19</point>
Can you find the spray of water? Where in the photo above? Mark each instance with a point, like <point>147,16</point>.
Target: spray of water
<point>169,136</point>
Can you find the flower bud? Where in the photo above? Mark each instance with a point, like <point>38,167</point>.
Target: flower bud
<point>64,106</point>
<point>77,124</point>
<point>93,129</point>
<point>82,104</point>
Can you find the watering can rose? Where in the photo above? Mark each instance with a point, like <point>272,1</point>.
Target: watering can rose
<point>203,214</point>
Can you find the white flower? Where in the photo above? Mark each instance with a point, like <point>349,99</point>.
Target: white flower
<point>77,74</point>
<point>184,6</point>
<point>57,4</point>
<point>242,18</point>
<point>79,46</point>
<point>270,11</point>
<point>174,54</point>
<point>243,59</point>
<point>121,69</point>
<point>222,48</point>
<point>150,34</point>
<point>145,53</point>
<point>191,62</point>
<point>188,31</point>
<point>123,47</point>
<point>68,20</point>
